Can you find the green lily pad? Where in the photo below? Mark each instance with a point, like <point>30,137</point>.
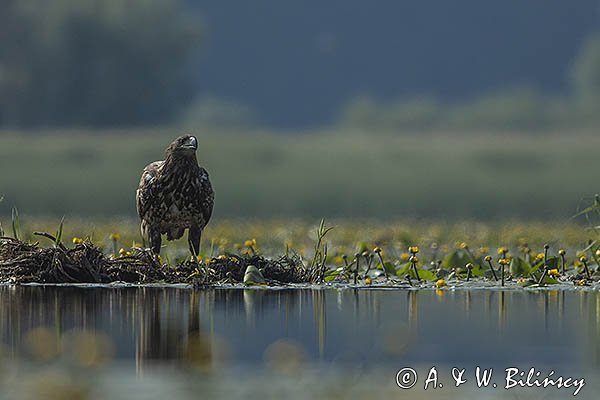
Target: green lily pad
<point>456,259</point>
<point>406,269</point>
<point>520,267</point>
<point>390,268</point>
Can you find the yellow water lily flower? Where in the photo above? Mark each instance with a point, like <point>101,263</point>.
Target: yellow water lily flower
<point>413,249</point>
<point>77,240</point>
<point>440,283</point>
<point>553,272</point>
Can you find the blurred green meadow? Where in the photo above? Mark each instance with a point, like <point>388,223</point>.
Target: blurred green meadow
<point>331,174</point>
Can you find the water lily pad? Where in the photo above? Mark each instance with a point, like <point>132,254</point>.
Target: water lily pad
<point>456,259</point>
<point>520,267</point>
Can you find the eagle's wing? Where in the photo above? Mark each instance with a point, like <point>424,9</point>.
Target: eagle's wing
<point>146,191</point>
<point>207,195</point>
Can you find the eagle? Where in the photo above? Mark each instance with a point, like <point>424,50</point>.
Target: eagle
<point>175,194</point>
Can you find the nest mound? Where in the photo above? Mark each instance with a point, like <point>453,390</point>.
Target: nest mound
<point>22,262</point>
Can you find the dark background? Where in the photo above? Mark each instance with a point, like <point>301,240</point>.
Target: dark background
<point>387,109</point>
<point>285,64</point>
<point>302,60</point>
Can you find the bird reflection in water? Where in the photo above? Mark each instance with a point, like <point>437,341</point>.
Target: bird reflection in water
<point>208,330</point>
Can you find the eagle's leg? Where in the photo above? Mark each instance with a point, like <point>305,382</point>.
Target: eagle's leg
<point>194,235</point>
<point>155,241</point>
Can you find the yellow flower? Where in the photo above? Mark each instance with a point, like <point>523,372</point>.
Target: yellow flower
<point>504,261</point>
<point>377,250</point>
<point>539,256</point>
<point>502,250</point>
<point>250,243</point>
<point>440,283</point>
<point>553,272</point>
<point>404,257</point>
<point>464,245</point>
<point>488,258</point>
<point>522,280</point>
<point>77,240</point>
<point>339,260</point>
<point>115,236</point>
<point>413,249</point>
<point>562,252</point>
<point>368,281</point>
<point>122,252</point>
<point>583,259</point>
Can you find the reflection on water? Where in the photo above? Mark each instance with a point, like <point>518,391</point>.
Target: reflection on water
<point>219,329</point>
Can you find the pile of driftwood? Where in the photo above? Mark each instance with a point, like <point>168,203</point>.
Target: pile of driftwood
<point>22,262</point>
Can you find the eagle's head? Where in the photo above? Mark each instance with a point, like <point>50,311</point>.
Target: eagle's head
<point>183,146</point>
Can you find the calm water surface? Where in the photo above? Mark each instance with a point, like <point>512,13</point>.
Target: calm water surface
<point>154,342</point>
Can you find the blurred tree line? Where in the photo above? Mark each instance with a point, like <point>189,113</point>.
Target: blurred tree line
<point>513,108</point>
<point>96,62</point>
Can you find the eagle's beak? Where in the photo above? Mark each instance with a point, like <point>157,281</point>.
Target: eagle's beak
<point>191,144</point>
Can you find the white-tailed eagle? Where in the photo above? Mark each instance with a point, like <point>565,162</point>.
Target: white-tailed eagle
<point>174,195</point>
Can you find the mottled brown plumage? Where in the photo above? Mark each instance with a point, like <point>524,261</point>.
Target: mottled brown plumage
<point>174,195</point>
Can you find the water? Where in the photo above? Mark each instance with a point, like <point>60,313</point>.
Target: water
<point>156,342</point>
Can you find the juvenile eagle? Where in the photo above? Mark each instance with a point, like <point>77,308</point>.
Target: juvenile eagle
<point>174,195</point>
